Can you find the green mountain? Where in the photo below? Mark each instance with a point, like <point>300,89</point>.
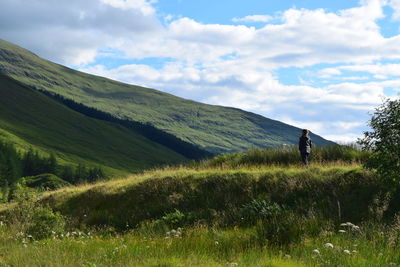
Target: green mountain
<point>214,128</point>
<point>29,118</point>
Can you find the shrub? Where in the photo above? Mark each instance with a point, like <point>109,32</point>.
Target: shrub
<point>45,223</point>
<point>384,141</point>
<point>259,210</point>
<point>174,219</point>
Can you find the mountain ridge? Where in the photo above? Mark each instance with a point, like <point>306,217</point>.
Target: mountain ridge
<point>213,128</point>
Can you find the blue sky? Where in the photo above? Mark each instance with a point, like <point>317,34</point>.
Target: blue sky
<point>321,65</point>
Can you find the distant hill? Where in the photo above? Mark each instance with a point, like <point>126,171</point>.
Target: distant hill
<point>214,128</point>
<point>29,118</point>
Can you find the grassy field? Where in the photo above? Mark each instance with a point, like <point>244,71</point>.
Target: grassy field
<point>230,212</point>
<point>199,246</point>
<point>214,128</point>
<point>32,120</point>
<point>212,231</point>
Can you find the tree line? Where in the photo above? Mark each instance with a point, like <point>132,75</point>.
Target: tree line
<point>14,166</point>
<point>174,143</point>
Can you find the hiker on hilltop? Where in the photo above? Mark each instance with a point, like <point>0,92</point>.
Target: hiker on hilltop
<point>305,145</point>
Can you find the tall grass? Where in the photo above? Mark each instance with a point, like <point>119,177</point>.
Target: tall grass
<point>288,155</point>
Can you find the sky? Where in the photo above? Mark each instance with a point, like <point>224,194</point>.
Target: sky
<point>320,65</point>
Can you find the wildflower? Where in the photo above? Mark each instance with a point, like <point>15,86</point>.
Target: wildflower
<point>392,264</point>
<point>216,243</point>
<point>316,251</point>
<point>287,256</point>
<point>354,251</point>
<point>346,251</point>
<point>25,245</point>
<point>342,231</point>
<point>328,245</point>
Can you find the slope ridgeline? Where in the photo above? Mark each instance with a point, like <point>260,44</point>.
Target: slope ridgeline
<point>214,128</point>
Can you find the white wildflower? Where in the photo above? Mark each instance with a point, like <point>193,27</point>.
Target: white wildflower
<point>328,245</point>
<point>392,264</point>
<point>346,251</point>
<point>216,243</point>
<point>287,256</point>
<point>342,231</point>
<point>354,251</point>
<point>316,251</point>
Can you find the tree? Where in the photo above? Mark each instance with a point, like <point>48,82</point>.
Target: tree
<point>384,141</point>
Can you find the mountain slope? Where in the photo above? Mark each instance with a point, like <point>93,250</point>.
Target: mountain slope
<point>29,118</point>
<point>214,128</point>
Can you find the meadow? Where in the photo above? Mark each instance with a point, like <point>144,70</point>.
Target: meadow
<point>245,209</point>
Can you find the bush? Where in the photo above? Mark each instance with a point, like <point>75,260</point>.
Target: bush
<point>174,219</point>
<point>44,182</point>
<point>45,223</point>
<point>259,210</point>
<point>30,218</point>
<point>384,142</point>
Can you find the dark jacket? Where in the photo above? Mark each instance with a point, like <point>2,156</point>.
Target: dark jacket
<point>305,144</point>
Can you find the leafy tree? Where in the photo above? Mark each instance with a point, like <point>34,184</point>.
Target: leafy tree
<point>384,141</point>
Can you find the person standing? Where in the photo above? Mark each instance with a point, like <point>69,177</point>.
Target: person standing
<point>305,145</point>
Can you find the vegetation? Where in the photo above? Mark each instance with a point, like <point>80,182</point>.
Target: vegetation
<point>288,155</point>
<point>214,128</point>
<point>384,142</point>
<point>255,208</point>
<point>163,138</point>
<point>32,170</point>
<point>228,214</point>
<point>260,216</point>
<point>30,119</point>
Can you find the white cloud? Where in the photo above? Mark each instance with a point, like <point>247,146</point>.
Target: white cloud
<point>142,5</point>
<point>231,65</point>
<point>71,32</point>
<point>254,18</point>
<point>395,4</point>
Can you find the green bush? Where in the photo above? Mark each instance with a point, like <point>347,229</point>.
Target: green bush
<point>45,223</point>
<point>384,142</point>
<point>259,210</point>
<point>44,181</point>
<point>175,219</point>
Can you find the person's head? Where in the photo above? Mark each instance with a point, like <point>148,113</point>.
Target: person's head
<point>304,131</point>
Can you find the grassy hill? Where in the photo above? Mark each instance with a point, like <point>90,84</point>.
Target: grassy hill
<point>330,214</point>
<point>214,128</point>
<point>30,119</point>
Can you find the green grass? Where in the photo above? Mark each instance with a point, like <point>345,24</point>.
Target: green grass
<point>130,220</point>
<point>30,119</point>
<point>214,128</point>
<point>287,155</point>
<point>198,246</point>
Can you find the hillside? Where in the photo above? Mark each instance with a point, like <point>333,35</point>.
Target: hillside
<point>330,214</point>
<point>31,119</point>
<point>214,128</point>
